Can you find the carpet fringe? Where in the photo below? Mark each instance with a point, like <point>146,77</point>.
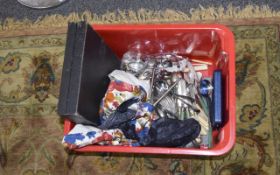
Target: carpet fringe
<point>143,16</point>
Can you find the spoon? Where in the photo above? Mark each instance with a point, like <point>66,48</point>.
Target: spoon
<point>41,4</point>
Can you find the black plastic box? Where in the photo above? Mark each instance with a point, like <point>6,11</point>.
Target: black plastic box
<point>87,63</point>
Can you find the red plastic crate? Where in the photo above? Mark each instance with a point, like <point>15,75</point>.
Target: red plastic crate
<point>120,37</point>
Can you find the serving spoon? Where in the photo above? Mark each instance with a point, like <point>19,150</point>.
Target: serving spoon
<point>41,4</point>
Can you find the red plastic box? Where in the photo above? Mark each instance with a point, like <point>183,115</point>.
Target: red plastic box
<point>120,37</point>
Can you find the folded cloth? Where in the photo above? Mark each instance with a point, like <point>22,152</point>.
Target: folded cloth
<point>138,128</point>
<point>116,119</point>
<point>82,135</point>
<point>129,78</point>
<point>134,124</point>
<point>123,86</point>
<point>135,128</point>
<point>121,115</point>
<point>117,93</point>
<point>171,132</point>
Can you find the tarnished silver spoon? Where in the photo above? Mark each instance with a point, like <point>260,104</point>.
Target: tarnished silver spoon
<point>41,4</point>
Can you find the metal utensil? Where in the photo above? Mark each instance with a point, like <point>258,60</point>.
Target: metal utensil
<point>163,112</point>
<point>146,75</point>
<point>136,67</point>
<point>182,108</point>
<point>192,100</point>
<point>165,93</point>
<point>150,95</point>
<point>189,104</point>
<point>168,103</point>
<point>41,4</point>
<point>160,87</point>
<point>159,111</point>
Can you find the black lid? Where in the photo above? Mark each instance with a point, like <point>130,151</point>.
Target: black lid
<point>87,63</point>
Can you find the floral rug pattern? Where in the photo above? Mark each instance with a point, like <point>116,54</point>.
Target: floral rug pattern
<point>31,131</point>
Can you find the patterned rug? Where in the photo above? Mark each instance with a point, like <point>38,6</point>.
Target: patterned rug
<point>31,131</point>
